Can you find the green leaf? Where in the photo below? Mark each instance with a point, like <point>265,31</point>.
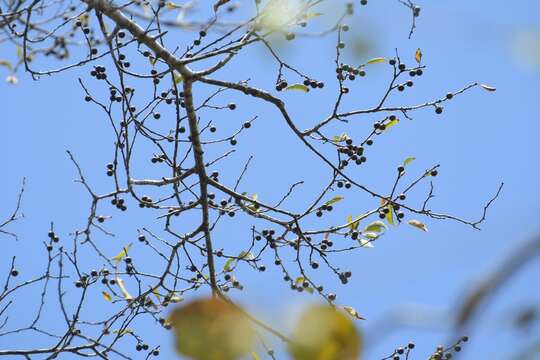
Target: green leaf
<point>353,225</point>
<point>371,235</point>
<point>123,332</point>
<point>408,160</point>
<point>334,200</point>
<point>376,60</point>
<point>340,138</point>
<point>228,265</point>
<point>298,87</point>
<point>376,226</point>
<point>390,214</point>
<point>246,255</point>
<point>232,261</point>
<point>122,254</point>
<point>365,243</point>
<point>178,78</point>
<point>418,224</point>
<point>487,87</point>
<point>20,52</point>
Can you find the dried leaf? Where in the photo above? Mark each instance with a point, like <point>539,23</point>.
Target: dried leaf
<point>219,3</point>
<point>487,87</point>
<point>6,64</point>
<point>418,224</point>
<point>418,56</point>
<point>106,296</point>
<point>12,79</point>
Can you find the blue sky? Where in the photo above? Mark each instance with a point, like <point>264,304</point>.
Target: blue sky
<point>480,140</point>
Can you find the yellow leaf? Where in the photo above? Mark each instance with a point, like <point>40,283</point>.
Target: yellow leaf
<point>311,15</point>
<point>376,60</point>
<point>353,312</point>
<point>122,287</point>
<point>255,356</point>
<point>157,294</point>
<point>122,254</point>
<point>171,6</point>
<point>418,56</point>
<point>334,200</point>
<point>418,224</point>
<point>391,123</point>
<point>325,333</point>
<point>390,214</point>
<point>353,225</point>
<point>106,296</point>
<point>211,321</point>
<point>408,160</point>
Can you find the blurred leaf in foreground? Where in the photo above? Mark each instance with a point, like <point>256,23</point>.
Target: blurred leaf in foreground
<point>325,333</point>
<point>211,329</point>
